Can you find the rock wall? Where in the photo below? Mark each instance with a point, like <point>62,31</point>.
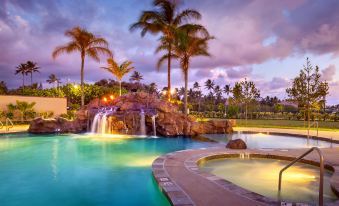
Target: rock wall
<point>169,121</point>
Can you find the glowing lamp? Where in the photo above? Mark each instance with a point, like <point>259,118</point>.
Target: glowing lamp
<point>164,92</point>
<point>105,99</point>
<point>111,97</point>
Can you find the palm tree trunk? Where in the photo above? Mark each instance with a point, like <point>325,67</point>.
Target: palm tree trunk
<point>82,79</point>
<point>23,82</point>
<point>31,78</point>
<point>186,87</point>
<point>119,87</point>
<point>169,72</point>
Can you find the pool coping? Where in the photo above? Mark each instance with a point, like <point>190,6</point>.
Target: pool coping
<point>192,159</point>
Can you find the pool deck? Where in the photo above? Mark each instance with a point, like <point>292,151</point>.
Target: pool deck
<point>15,129</point>
<point>179,177</point>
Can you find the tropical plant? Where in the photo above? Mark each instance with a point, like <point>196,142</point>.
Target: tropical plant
<point>24,108</point>
<point>190,41</point>
<point>165,19</point>
<point>87,44</point>
<point>136,77</point>
<point>22,69</point>
<point>32,68</point>
<point>119,71</point>
<point>53,79</point>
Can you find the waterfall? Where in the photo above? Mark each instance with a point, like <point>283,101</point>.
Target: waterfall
<point>142,123</point>
<point>95,123</point>
<point>101,123</point>
<point>154,126</point>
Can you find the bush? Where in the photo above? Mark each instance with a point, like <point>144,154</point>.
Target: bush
<point>45,115</point>
<point>70,115</point>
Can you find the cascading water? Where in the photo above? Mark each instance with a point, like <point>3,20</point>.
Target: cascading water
<point>100,124</point>
<point>142,123</point>
<point>154,126</point>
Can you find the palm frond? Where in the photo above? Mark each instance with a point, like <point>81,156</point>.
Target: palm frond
<point>187,15</point>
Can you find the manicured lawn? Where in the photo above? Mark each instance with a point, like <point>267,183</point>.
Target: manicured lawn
<point>285,124</point>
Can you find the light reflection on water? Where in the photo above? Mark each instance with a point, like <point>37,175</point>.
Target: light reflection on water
<point>82,169</point>
<point>300,182</point>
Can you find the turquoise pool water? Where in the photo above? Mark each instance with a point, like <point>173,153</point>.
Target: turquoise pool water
<point>82,170</point>
<point>266,141</point>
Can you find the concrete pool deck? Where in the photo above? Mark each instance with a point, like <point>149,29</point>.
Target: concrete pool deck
<point>179,177</point>
<point>15,129</point>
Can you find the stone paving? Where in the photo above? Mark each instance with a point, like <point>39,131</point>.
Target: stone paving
<point>179,177</point>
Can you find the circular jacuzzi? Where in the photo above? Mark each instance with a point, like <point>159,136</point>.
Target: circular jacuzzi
<point>300,182</point>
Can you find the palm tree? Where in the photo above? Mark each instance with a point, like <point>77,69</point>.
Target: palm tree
<point>196,87</point>
<point>52,79</point>
<point>22,69</point>
<point>209,85</point>
<point>227,89</point>
<point>136,77</point>
<point>88,45</point>
<point>24,107</point>
<point>119,71</point>
<point>31,68</point>
<point>165,19</point>
<point>190,42</point>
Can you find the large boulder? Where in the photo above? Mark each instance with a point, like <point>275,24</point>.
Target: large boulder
<point>236,144</point>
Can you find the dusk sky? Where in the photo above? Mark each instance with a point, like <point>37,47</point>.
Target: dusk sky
<point>266,41</point>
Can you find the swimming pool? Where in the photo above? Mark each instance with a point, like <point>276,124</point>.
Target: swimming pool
<point>300,182</point>
<point>263,140</point>
<point>82,169</point>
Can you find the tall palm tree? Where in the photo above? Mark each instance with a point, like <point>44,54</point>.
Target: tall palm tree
<point>32,67</point>
<point>209,85</point>
<point>227,89</point>
<point>119,71</point>
<point>87,44</point>
<point>53,79</point>
<point>165,19</point>
<point>196,88</point>
<point>22,69</point>
<point>136,77</point>
<point>190,42</point>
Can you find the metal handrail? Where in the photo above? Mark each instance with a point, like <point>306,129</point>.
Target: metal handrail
<point>1,125</point>
<point>321,176</point>
<point>8,120</point>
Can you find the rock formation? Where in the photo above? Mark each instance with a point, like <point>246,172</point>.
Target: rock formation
<point>169,121</point>
<point>236,144</point>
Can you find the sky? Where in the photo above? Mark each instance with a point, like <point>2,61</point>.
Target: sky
<point>266,41</point>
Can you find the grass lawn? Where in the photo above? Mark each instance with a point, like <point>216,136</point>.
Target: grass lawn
<point>325,126</point>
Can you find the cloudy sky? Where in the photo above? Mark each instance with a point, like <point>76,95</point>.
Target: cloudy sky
<point>266,41</point>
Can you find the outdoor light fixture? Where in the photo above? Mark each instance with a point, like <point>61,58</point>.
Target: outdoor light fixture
<point>105,99</point>
<point>75,86</point>
<point>111,97</point>
<point>164,92</point>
